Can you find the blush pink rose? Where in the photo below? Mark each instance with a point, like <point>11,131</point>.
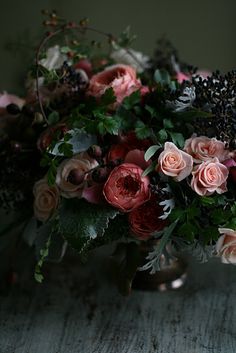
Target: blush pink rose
<point>121,78</point>
<point>46,200</point>
<point>210,177</point>
<point>181,77</point>
<point>226,246</point>
<point>126,188</point>
<point>81,164</point>
<point>203,148</point>
<point>174,162</point>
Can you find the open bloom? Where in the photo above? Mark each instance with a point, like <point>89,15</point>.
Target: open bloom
<point>46,200</point>
<point>146,219</point>
<point>203,148</point>
<point>210,177</point>
<point>122,78</point>
<point>80,164</point>
<point>174,162</point>
<point>226,245</point>
<point>126,188</point>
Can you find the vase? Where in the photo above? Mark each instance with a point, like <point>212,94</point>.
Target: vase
<point>172,273</point>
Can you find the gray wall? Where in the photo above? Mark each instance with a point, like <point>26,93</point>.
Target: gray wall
<point>203,30</point>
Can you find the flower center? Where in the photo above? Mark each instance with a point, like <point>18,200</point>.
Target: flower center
<point>128,185</point>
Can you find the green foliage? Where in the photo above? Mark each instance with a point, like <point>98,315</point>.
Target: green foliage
<point>80,222</point>
<point>52,172</point>
<point>163,78</point>
<point>142,131</point>
<point>133,99</point>
<point>177,138</point>
<point>53,118</point>
<point>43,255</point>
<point>149,169</point>
<point>151,151</point>
<point>125,39</point>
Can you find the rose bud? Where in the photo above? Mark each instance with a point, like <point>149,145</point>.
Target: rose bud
<point>95,151</point>
<point>76,177</point>
<point>100,175</point>
<point>13,109</point>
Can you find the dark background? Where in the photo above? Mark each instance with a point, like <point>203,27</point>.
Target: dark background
<point>203,30</point>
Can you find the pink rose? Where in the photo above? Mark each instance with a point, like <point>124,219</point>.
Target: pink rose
<point>210,177</point>
<point>174,162</point>
<point>46,200</point>
<point>144,220</point>
<point>121,78</point>
<point>226,246</point>
<point>203,148</point>
<point>125,187</point>
<point>73,174</point>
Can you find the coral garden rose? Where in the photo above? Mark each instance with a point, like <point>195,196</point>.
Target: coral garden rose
<point>226,246</point>
<point>209,177</point>
<point>174,162</point>
<point>46,200</point>
<point>203,148</point>
<point>121,78</point>
<point>126,188</point>
<point>145,220</point>
<point>81,164</point>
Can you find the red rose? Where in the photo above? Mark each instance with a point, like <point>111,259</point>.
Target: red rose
<point>125,187</point>
<point>145,220</point>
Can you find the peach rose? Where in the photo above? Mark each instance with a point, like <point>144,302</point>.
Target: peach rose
<point>210,177</point>
<point>226,246</point>
<point>81,164</point>
<point>121,78</point>
<point>46,200</point>
<point>174,162</point>
<point>125,187</point>
<point>203,148</point>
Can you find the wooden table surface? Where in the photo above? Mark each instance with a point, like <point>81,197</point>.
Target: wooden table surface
<point>75,313</point>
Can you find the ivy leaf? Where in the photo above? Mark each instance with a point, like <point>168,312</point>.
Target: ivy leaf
<point>80,222</point>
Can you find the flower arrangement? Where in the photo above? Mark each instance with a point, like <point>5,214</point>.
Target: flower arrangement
<point>111,146</point>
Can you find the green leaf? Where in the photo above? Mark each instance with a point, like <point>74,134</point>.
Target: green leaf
<point>52,172</point>
<point>162,76</point>
<point>151,110</point>
<point>80,221</point>
<point>233,209</point>
<point>142,131</point>
<point>177,138</point>
<point>149,169</point>
<point>53,118</point>
<point>65,149</point>
<point>130,101</point>
<point>162,135</point>
<point>167,123</point>
<point>207,200</point>
<point>43,254</point>
<point>188,231</point>
<point>151,151</point>
<point>108,97</point>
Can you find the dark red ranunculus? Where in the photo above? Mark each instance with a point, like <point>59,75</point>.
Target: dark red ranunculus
<point>144,220</point>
